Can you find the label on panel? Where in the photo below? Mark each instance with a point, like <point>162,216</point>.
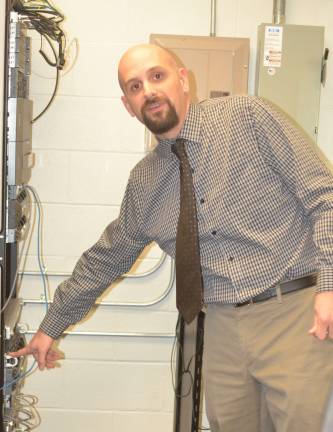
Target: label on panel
<point>273,46</point>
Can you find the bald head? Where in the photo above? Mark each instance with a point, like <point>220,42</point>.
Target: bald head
<point>139,54</point>
<point>155,88</point>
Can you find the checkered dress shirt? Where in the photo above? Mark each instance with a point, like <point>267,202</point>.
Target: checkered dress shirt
<point>264,203</point>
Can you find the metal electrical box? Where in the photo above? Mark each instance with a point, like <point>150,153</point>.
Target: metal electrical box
<point>19,152</point>
<point>217,66</point>
<point>288,71</point>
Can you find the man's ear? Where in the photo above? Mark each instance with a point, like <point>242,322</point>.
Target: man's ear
<point>183,75</point>
<point>127,105</point>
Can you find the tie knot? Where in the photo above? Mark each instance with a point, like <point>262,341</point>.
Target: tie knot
<point>179,149</point>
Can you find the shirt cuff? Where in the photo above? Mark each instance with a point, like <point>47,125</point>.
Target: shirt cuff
<point>53,327</point>
<point>325,279</point>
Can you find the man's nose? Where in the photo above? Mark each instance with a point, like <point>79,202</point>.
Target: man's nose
<point>149,89</point>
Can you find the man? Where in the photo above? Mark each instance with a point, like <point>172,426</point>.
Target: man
<point>264,205</point>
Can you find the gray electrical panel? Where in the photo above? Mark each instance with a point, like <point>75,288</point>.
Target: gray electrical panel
<point>20,158</point>
<point>19,126</point>
<point>289,65</point>
<point>15,169</point>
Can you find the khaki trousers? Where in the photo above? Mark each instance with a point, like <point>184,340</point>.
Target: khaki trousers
<point>262,370</point>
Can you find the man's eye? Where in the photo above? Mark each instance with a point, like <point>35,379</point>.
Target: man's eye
<point>135,87</point>
<point>158,75</point>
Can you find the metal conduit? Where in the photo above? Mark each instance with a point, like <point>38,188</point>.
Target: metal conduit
<point>112,334</point>
<point>126,275</point>
<point>279,12</point>
<point>212,18</point>
<point>127,304</point>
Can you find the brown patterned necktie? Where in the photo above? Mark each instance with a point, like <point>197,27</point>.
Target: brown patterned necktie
<point>188,268</point>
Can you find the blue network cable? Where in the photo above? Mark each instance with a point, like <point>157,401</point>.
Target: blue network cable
<point>39,240</point>
<point>18,378</point>
<point>39,254</point>
<point>42,272</point>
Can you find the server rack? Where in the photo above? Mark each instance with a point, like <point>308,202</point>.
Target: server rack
<point>15,169</point>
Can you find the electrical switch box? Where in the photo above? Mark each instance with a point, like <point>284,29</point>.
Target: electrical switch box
<point>289,66</point>
<point>217,66</point>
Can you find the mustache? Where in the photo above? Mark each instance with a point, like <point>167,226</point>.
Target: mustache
<point>153,100</point>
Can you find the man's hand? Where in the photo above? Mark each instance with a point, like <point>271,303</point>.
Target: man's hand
<point>40,348</point>
<point>323,319</point>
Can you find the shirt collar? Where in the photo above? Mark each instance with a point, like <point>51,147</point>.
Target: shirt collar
<point>191,131</point>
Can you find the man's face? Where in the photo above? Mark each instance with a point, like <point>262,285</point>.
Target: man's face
<point>155,90</point>
<point>159,115</point>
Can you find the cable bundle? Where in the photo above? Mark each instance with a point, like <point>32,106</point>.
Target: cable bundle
<point>24,416</point>
<point>46,20</point>
<point>41,16</point>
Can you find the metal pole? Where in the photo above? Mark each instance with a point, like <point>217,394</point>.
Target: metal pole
<point>188,375</point>
<point>213,18</point>
<point>106,333</point>
<point>124,276</point>
<point>279,12</point>
<point>153,302</point>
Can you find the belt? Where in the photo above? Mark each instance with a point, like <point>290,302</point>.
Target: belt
<point>283,287</point>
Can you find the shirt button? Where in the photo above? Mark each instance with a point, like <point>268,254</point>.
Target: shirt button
<point>231,259</point>
<point>214,232</point>
<point>202,200</point>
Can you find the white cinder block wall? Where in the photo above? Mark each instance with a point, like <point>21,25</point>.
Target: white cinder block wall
<point>85,146</point>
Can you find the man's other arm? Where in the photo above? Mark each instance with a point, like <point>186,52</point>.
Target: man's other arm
<point>294,157</point>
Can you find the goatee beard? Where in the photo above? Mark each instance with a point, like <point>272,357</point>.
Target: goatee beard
<point>161,123</point>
